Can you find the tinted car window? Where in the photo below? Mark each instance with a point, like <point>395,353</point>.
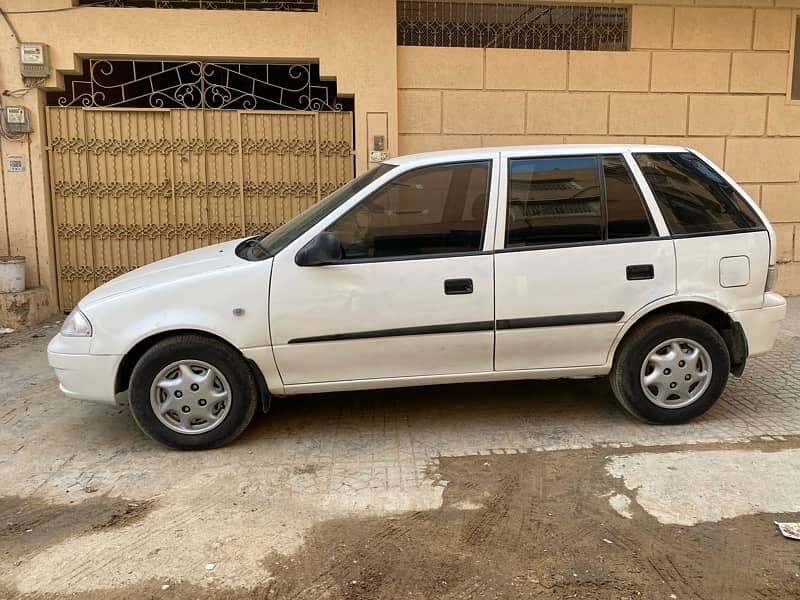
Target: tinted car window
<point>275,241</point>
<point>627,215</point>
<point>432,210</point>
<point>692,196</point>
<point>553,201</point>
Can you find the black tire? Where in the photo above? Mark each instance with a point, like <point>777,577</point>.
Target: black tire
<point>625,374</point>
<point>243,392</point>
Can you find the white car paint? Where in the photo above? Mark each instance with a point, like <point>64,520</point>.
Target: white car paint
<point>528,280</point>
<point>376,296</point>
<point>197,290</point>
<point>266,308</point>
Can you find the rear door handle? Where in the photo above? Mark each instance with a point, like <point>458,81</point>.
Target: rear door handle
<point>636,272</point>
<point>457,286</point>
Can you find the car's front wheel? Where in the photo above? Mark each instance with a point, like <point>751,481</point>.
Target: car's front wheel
<point>190,392</point>
<point>671,369</point>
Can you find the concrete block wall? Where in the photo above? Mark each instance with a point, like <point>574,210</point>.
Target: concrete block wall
<point>714,79</point>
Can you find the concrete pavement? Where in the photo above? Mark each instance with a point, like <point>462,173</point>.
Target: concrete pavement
<point>116,511</point>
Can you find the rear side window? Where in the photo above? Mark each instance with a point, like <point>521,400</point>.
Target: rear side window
<point>554,201</point>
<point>627,215</point>
<point>573,199</point>
<point>693,197</point>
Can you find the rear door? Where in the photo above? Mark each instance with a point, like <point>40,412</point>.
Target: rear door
<point>578,253</point>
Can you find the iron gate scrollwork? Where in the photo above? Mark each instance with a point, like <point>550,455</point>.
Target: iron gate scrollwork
<point>131,186</point>
<point>197,84</point>
<point>152,158</point>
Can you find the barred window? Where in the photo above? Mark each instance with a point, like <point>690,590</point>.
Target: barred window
<point>491,24</point>
<point>278,5</point>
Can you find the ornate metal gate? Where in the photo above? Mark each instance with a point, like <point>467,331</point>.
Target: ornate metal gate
<point>130,186</point>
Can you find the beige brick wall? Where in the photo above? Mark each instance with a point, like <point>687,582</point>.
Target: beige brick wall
<point>710,77</point>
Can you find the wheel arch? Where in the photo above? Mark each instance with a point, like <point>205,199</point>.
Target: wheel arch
<point>135,353</point>
<point>705,310</point>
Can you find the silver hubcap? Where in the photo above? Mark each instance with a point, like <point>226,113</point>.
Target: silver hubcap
<point>676,373</point>
<point>190,396</point>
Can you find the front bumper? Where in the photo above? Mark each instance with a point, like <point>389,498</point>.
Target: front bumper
<point>761,325</point>
<point>84,376</point>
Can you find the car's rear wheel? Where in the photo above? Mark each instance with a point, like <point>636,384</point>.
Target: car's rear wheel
<point>670,369</point>
<point>191,392</point>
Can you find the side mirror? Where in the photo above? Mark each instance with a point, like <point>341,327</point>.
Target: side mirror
<point>324,249</point>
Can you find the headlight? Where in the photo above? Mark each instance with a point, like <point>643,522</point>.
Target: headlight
<point>76,325</point>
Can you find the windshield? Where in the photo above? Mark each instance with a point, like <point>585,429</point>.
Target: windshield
<point>275,241</point>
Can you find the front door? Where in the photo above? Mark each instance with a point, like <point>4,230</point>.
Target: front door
<point>579,255</point>
<point>413,294</point>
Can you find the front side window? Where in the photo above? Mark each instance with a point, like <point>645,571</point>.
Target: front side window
<point>692,196</point>
<point>554,201</point>
<point>431,210</point>
<point>275,241</point>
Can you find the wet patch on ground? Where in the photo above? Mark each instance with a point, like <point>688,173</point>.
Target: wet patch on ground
<point>309,469</point>
<point>28,525</point>
<point>535,525</point>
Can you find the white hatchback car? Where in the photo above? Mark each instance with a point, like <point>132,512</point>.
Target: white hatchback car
<point>645,263</point>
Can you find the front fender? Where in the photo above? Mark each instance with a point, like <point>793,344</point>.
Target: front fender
<point>230,303</point>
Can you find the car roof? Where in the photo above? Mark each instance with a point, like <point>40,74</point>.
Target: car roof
<point>559,149</point>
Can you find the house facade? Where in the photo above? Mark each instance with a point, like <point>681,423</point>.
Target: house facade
<point>157,126</point>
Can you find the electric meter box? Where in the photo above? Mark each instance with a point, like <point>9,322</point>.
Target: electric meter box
<point>15,119</point>
<point>33,60</point>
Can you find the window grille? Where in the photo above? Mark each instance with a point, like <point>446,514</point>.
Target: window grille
<point>475,24</point>
<point>278,5</point>
<point>196,84</point>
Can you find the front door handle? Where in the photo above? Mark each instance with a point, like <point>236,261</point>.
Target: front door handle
<point>457,286</point>
<point>637,272</point>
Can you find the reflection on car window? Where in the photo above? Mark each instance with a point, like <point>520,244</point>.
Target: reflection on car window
<point>553,201</point>
<point>284,235</point>
<point>627,215</point>
<point>431,210</point>
<point>692,196</point>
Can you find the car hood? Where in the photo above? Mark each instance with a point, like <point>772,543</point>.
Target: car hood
<point>168,270</point>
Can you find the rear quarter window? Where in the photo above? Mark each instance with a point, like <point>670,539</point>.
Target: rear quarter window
<point>693,197</point>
